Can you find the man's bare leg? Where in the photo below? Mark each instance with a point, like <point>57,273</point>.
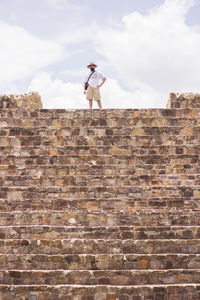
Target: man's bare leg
<point>90,104</point>
<point>99,104</point>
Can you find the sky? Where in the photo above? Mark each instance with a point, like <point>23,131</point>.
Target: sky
<point>145,48</point>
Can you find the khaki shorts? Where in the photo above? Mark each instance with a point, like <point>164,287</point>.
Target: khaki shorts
<point>93,93</point>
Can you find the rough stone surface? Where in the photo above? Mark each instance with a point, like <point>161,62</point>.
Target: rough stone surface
<point>99,205</point>
<point>187,100</point>
<point>27,101</point>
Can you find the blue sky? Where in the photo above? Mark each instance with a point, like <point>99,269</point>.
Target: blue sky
<point>145,48</point>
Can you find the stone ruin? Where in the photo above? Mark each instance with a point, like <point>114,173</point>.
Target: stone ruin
<point>99,205</point>
<point>187,100</point>
<point>27,101</point>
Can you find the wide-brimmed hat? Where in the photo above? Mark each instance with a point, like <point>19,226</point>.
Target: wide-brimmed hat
<point>92,64</point>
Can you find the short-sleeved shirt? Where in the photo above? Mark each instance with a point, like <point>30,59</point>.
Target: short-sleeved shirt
<point>94,79</point>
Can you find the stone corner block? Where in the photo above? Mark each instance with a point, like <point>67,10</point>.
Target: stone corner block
<point>28,101</point>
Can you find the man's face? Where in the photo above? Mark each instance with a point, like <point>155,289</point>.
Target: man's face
<point>92,67</point>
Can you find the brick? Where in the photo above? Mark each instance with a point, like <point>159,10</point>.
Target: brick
<point>78,297</point>
<point>160,296</point>
<point>6,297</point>
<point>124,297</point>
<point>175,297</point>
<point>100,297</point>
<point>111,297</point>
<point>32,297</point>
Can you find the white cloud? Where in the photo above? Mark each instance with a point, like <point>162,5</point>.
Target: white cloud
<point>156,52</point>
<point>61,4</point>
<point>152,55</point>
<point>78,36</point>
<point>57,2</point>
<point>58,94</point>
<point>196,28</point>
<point>116,97</point>
<point>74,73</point>
<point>23,54</point>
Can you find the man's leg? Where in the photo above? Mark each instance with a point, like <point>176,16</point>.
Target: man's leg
<point>97,97</point>
<point>90,96</point>
<point>90,103</point>
<point>99,104</point>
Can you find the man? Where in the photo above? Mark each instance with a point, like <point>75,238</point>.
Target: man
<point>93,90</point>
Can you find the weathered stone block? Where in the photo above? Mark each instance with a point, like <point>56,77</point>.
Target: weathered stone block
<point>183,101</point>
<point>30,101</point>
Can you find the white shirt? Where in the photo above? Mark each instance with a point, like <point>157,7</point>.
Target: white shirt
<point>94,79</point>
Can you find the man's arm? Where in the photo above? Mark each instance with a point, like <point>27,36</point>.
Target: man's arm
<point>103,81</point>
<point>84,90</point>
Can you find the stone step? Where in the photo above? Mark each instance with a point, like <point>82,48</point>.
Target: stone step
<point>99,246</point>
<point>10,173</point>
<point>117,168</point>
<point>100,262</point>
<point>83,218</point>
<point>61,191</point>
<point>90,122</point>
<point>102,118</point>
<point>108,132</point>
<point>82,193</point>
<point>94,157</point>
<point>36,232</point>
<point>145,182</point>
<point>50,161</point>
<point>105,183</point>
<point>98,277</point>
<point>91,157</point>
<point>120,193</point>
<point>113,145</point>
<point>140,174</point>
<point>139,148</point>
<point>114,175</point>
<point>97,114</point>
<point>101,292</point>
<point>174,165</point>
<point>106,179</point>
<point>164,164</point>
<point>95,205</point>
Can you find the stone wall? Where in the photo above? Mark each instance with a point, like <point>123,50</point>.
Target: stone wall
<point>27,101</point>
<point>99,205</point>
<point>187,100</point>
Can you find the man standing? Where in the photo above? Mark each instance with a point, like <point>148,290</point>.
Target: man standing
<point>92,86</point>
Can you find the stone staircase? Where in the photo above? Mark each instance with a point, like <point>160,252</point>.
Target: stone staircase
<point>100,205</point>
